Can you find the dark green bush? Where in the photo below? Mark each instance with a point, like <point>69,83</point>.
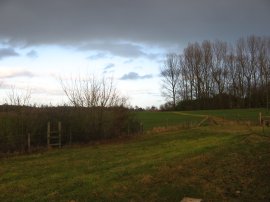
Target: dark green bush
<point>79,125</point>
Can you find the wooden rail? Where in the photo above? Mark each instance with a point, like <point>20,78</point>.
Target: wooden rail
<point>264,120</point>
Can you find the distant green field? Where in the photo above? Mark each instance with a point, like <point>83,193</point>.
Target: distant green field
<point>233,114</point>
<point>163,119</point>
<point>213,163</point>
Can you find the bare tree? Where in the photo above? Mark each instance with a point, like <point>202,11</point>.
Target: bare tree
<point>189,69</point>
<point>184,86</point>
<point>193,66</point>
<point>264,64</point>
<point>197,53</point>
<point>92,92</point>
<point>232,72</point>
<point>207,63</point>
<point>245,61</point>
<point>170,74</point>
<point>18,98</point>
<point>219,68</point>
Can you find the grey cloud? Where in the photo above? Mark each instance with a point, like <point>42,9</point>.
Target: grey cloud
<point>159,22</point>
<point>97,56</point>
<point>128,61</point>
<point>17,74</point>
<point>116,48</point>
<point>135,76</point>
<point>7,52</point>
<point>145,92</point>
<point>121,49</point>
<point>32,54</point>
<point>109,66</point>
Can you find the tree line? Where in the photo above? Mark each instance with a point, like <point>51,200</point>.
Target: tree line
<point>218,74</point>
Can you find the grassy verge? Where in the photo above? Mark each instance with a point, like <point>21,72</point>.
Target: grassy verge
<point>213,163</point>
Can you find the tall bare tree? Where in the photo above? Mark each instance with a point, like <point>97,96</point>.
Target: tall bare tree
<point>264,64</point>
<point>170,74</point>
<point>219,69</point>
<point>207,63</point>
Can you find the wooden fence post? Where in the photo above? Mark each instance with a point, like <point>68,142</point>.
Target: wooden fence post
<point>59,131</point>
<point>29,142</point>
<point>48,134</point>
<point>128,128</point>
<point>260,118</point>
<point>70,136</point>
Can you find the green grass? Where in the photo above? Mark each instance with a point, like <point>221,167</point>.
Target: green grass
<point>233,114</point>
<point>164,119</point>
<point>212,163</point>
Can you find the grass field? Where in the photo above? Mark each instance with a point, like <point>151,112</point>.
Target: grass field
<point>215,163</point>
<point>163,119</point>
<point>233,114</point>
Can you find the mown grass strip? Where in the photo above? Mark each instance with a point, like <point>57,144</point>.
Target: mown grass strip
<point>210,163</point>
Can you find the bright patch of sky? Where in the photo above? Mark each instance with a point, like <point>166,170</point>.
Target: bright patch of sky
<point>40,69</point>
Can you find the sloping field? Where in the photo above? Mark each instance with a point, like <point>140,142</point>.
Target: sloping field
<point>215,163</point>
<point>151,120</point>
<point>232,114</point>
<point>165,119</point>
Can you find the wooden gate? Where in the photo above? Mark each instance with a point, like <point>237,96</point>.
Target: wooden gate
<point>54,135</point>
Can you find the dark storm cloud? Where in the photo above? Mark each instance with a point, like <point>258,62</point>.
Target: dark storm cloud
<point>158,22</point>
<point>7,52</point>
<point>135,76</point>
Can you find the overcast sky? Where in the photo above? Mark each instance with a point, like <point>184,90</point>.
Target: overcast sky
<point>41,40</point>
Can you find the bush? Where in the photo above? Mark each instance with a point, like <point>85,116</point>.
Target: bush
<point>79,125</point>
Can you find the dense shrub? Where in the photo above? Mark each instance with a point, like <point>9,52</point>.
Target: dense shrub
<point>79,125</point>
